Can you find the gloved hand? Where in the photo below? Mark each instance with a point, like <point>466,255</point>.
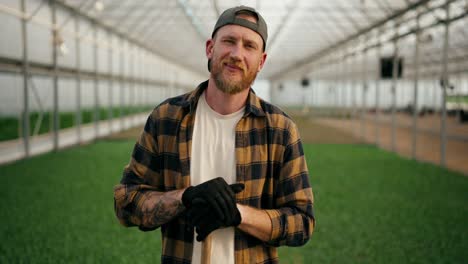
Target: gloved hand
<point>218,195</point>
<point>205,219</point>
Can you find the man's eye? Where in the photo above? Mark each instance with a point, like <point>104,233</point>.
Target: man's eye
<point>250,46</point>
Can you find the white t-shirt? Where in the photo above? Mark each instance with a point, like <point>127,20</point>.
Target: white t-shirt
<point>214,155</point>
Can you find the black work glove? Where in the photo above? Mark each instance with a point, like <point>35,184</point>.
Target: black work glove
<point>205,219</point>
<point>217,193</point>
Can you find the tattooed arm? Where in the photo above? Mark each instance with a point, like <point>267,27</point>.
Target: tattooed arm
<point>159,208</point>
<point>137,200</point>
<point>146,208</point>
<point>142,198</point>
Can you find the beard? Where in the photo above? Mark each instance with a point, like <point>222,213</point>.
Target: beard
<point>228,84</point>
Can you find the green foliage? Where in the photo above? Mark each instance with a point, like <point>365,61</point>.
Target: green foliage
<point>458,98</point>
<point>9,126</point>
<point>371,207</point>
<point>375,207</point>
<point>59,208</point>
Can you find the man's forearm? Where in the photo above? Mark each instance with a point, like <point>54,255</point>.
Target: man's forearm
<point>255,222</point>
<point>159,208</point>
<point>145,207</point>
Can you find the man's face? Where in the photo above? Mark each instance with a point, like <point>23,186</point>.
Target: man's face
<point>237,56</point>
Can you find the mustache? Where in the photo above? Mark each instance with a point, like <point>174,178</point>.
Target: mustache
<point>235,62</point>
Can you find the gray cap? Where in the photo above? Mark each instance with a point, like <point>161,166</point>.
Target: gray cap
<point>229,17</point>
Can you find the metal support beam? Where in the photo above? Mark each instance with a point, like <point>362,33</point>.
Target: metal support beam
<point>131,61</point>
<point>354,101</point>
<point>415,92</point>
<point>118,32</point>
<point>126,16</point>
<point>55,44</point>
<point>349,89</point>
<point>110,58</point>
<point>394,89</point>
<point>333,47</point>
<point>377,93</point>
<point>78,115</point>
<point>445,84</point>
<point>183,4</point>
<point>11,65</point>
<point>25,114</point>
<point>291,11</point>
<point>96,115</point>
<point>364,92</point>
<point>122,85</point>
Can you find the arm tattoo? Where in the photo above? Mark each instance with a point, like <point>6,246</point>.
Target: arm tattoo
<point>160,208</point>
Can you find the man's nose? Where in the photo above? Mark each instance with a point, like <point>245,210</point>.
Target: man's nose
<point>236,52</point>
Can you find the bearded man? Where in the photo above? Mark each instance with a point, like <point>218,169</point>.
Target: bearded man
<point>221,171</point>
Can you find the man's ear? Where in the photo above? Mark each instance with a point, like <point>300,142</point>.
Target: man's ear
<point>209,48</point>
<point>262,62</point>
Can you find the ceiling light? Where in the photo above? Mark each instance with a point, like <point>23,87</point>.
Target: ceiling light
<point>99,6</point>
<point>63,49</point>
<point>59,42</point>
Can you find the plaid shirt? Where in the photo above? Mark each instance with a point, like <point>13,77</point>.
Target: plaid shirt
<point>270,162</point>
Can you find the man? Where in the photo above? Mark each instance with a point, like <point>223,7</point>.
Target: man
<point>221,171</point>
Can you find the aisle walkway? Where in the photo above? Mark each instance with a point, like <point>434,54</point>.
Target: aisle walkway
<point>428,137</point>
<point>14,149</point>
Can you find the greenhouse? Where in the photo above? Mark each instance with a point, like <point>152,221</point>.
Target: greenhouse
<point>377,91</point>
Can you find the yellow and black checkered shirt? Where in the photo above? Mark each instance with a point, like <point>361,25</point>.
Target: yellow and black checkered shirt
<point>270,162</point>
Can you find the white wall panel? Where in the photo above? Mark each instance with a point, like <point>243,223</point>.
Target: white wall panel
<point>67,94</point>
<point>103,51</point>
<point>115,95</point>
<point>87,94</point>
<point>11,99</point>
<point>10,27</point>
<point>123,70</point>
<point>103,93</point>
<point>43,87</point>
<point>115,54</point>
<point>86,46</point>
<point>39,36</point>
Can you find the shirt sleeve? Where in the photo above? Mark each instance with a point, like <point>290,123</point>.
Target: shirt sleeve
<point>139,199</point>
<point>294,221</point>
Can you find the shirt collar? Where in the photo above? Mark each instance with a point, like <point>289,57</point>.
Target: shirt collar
<point>253,105</point>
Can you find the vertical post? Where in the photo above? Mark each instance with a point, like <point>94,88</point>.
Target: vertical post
<point>344,91</point>
<point>445,84</point>
<point>415,91</point>
<point>311,90</point>
<point>337,88</point>
<point>96,116</point>
<point>25,117</point>
<point>78,116</point>
<point>131,61</point>
<point>349,87</point>
<point>364,91</point>
<point>122,85</point>
<point>353,94</point>
<point>394,86</point>
<point>377,92</point>
<point>343,85</point>
<point>56,42</point>
<point>111,82</point>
